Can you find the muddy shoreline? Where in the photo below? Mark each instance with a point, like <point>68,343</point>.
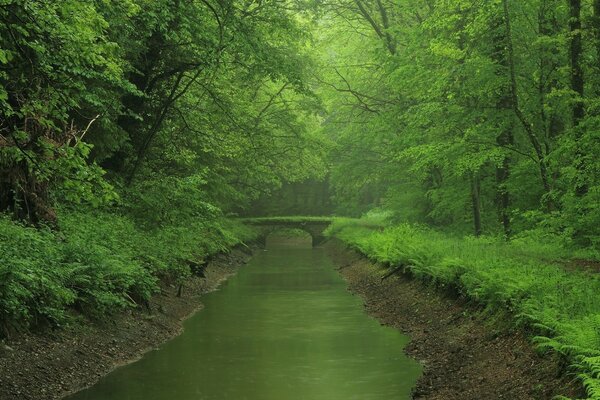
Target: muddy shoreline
<point>52,365</point>
<point>466,355</point>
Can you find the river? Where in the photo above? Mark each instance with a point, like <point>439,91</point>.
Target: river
<point>283,328</point>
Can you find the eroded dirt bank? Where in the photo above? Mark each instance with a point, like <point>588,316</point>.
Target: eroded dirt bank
<point>50,366</point>
<point>465,355</point>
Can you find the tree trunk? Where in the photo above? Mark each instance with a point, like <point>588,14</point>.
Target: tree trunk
<point>575,51</point>
<point>577,85</point>
<point>505,138</point>
<point>596,28</point>
<point>502,193</point>
<point>381,31</point>
<point>527,125</point>
<point>476,203</point>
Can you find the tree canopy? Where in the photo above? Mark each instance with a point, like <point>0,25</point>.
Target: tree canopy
<point>477,116</point>
<point>207,94</point>
<point>466,113</point>
<point>131,130</point>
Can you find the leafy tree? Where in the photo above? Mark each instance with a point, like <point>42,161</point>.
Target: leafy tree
<point>466,113</point>
<point>55,60</point>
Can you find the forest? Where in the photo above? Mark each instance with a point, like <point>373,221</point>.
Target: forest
<point>455,139</point>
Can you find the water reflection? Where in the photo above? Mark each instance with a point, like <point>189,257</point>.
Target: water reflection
<point>284,328</point>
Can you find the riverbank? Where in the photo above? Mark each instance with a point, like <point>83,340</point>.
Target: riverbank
<point>51,365</point>
<point>466,353</point>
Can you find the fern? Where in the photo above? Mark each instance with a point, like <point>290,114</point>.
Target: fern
<point>562,309</point>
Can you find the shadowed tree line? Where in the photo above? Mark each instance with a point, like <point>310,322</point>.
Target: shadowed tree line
<point>98,96</point>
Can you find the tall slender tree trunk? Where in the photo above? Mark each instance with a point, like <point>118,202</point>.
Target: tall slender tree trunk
<point>552,123</point>
<point>505,138</point>
<point>596,28</point>
<point>476,203</point>
<point>575,51</point>
<point>528,127</point>
<point>503,195</point>
<point>577,85</point>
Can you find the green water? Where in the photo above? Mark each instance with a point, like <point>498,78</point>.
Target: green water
<point>284,328</point>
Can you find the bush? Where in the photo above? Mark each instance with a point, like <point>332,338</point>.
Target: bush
<point>97,263</point>
<point>32,289</point>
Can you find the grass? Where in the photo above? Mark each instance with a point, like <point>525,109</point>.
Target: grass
<point>524,276</point>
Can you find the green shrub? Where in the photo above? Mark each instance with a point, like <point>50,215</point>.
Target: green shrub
<point>98,263</point>
<point>32,289</point>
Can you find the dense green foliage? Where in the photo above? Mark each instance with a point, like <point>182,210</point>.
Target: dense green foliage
<point>474,118</point>
<point>526,277</point>
<point>467,115</point>
<point>98,263</point>
<point>130,130</point>
<point>163,93</point>
<point>308,197</point>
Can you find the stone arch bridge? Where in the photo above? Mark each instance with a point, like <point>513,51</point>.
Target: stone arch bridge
<point>315,226</point>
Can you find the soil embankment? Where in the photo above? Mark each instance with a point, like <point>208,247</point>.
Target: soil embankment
<point>51,365</point>
<point>466,356</point>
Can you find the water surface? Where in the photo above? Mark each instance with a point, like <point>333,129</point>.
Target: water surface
<point>284,328</point>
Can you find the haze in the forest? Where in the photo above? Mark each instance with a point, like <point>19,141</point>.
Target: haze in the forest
<point>133,132</point>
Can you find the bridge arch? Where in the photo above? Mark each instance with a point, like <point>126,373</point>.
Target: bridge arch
<point>315,226</point>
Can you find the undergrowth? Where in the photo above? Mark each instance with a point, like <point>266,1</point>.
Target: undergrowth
<point>97,263</point>
<point>525,276</point>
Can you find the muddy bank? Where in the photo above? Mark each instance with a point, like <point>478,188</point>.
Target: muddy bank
<point>466,355</point>
<point>52,365</point>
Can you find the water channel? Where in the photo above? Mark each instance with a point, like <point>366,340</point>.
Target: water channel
<point>283,328</point>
